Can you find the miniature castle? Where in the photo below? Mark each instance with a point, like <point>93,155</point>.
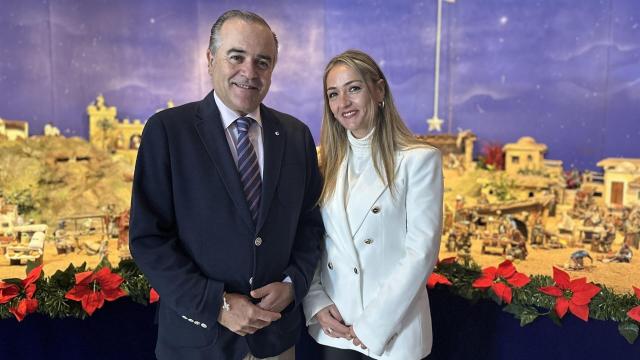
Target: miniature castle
<point>109,133</point>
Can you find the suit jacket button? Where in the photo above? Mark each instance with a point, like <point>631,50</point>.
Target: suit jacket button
<point>368,241</point>
<point>251,280</point>
<point>375,210</point>
<point>258,241</point>
<point>330,265</point>
<point>204,326</point>
<point>355,270</point>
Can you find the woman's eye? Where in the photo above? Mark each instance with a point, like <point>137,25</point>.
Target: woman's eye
<point>331,95</point>
<point>354,89</point>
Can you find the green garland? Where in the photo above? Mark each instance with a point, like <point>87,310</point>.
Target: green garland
<point>527,305</point>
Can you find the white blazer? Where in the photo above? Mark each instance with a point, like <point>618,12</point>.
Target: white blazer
<point>375,270</point>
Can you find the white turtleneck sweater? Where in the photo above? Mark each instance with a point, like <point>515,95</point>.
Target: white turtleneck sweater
<point>359,158</point>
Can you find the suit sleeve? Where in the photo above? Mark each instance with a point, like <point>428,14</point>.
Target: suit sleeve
<point>306,248</point>
<point>381,319</point>
<point>154,241</point>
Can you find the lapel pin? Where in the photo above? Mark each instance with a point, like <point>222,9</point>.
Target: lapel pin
<point>277,133</point>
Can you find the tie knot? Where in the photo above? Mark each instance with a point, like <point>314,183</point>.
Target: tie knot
<point>243,124</point>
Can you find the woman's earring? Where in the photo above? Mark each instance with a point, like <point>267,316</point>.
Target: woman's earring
<point>381,104</point>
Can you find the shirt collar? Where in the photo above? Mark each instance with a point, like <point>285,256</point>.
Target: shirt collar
<point>229,116</point>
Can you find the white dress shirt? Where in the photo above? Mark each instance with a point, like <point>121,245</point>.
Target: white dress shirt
<point>229,118</point>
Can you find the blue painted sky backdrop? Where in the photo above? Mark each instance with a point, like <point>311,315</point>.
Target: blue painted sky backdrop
<point>565,72</point>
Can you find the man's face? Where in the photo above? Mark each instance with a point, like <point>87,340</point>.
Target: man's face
<point>241,67</point>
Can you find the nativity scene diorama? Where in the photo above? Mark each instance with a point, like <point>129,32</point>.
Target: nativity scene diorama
<point>66,201</point>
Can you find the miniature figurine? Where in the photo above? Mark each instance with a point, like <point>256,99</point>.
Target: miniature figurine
<point>538,234</point>
<point>577,258</point>
<point>624,255</point>
<point>517,246</point>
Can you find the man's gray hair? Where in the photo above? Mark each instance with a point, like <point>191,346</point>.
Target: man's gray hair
<point>214,39</point>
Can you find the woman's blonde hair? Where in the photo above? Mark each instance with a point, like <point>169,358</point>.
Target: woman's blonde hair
<point>389,136</point>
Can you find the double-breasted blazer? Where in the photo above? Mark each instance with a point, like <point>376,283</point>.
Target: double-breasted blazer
<point>377,255</point>
<point>193,237</point>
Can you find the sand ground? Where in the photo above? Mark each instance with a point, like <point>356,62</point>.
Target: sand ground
<point>618,276</point>
<point>54,262</point>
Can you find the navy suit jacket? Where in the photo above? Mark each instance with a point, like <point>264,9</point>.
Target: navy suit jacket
<point>192,235</point>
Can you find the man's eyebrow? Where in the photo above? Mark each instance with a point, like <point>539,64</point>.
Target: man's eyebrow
<point>345,84</point>
<point>235,50</point>
<point>264,57</point>
<point>241,51</point>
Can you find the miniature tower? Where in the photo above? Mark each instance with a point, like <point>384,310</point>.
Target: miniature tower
<point>102,121</point>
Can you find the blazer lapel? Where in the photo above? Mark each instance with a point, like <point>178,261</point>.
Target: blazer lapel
<point>335,217</point>
<point>211,133</point>
<point>273,144</point>
<point>364,194</point>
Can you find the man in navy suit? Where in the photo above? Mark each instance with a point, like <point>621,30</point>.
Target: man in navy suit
<point>224,221</point>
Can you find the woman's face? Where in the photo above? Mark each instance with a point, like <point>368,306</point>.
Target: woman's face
<point>350,100</point>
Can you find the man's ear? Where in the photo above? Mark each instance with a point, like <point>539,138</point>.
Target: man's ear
<point>210,58</point>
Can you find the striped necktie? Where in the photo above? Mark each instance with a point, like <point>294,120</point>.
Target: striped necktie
<point>248,167</point>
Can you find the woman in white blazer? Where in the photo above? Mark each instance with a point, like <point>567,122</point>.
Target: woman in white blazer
<point>382,210</point>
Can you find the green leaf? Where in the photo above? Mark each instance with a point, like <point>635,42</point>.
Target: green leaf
<point>528,316</point>
<point>104,262</point>
<point>514,309</point>
<point>32,265</point>
<point>14,281</point>
<point>629,330</point>
<point>555,318</point>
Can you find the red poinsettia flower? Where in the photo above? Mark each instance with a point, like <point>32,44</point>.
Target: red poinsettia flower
<point>153,296</point>
<point>27,288</point>
<point>8,291</point>
<point>634,313</point>
<point>499,280</point>
<point>435,279</point>
<point>573,295</point>
<point>92,289</point>
<point>25,307</point>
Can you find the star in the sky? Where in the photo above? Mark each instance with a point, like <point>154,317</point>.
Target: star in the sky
<point>435,124</point>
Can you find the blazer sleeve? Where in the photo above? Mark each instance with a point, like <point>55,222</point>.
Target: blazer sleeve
<point>154,241</point>
<point>316,300</point>
<point>381,318</point>
<point>306,248</point>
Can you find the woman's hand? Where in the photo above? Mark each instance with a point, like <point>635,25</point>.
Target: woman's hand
<point>356,341</point>
<point>332,323</point>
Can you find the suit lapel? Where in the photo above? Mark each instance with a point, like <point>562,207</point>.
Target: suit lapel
<point>335,217</point>
<point>211,133</point>
<point>273,144</point>
<point>364,194</point>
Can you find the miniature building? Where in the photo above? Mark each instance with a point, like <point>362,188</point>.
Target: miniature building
<point>526,154</point>
<point>14,129</point>
<point>634,191</point>
<point>454,146</point>
<point>553,167</point>
<point>51,130</point>
<point>109,133</point>
<point>621,181</point>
